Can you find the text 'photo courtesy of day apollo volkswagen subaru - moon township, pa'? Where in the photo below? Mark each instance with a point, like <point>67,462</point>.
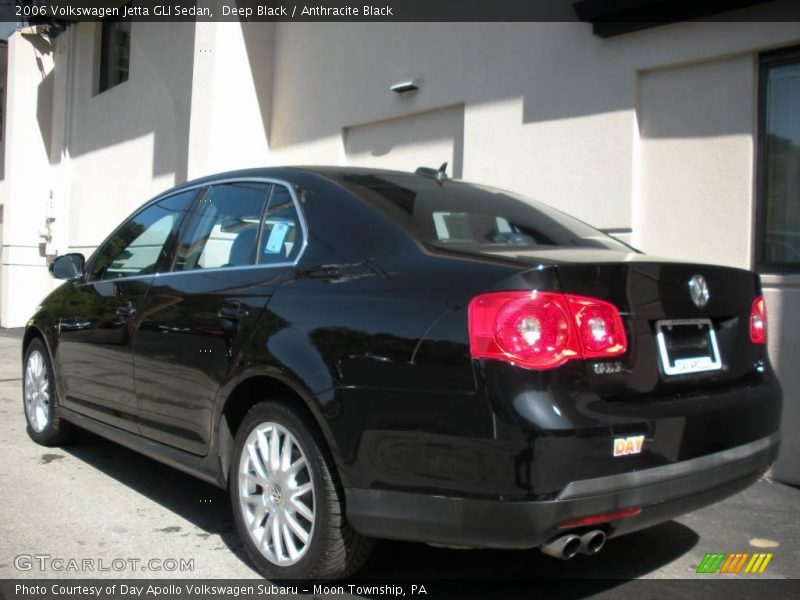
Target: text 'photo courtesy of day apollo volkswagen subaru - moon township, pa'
<point>358,354</point>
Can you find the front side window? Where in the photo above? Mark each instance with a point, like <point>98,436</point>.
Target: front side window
<point>115,52</point>
<point>140,245</point>
<point>779,162</point>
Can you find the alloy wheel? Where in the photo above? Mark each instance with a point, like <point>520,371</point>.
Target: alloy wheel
<point>37,392</point>
<point>276,494</point>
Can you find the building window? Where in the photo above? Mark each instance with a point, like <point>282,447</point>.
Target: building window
<point>115,51</point>
<point>778,243</point>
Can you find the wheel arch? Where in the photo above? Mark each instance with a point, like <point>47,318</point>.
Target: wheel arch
<point>34,330</point>
<point>259,385</point>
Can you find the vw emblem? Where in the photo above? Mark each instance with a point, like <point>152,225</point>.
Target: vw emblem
<point>698,291</point>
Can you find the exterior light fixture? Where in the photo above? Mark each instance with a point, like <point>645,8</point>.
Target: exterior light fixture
<point>407,85</point>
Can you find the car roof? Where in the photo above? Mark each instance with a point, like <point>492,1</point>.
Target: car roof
<point>285,172</point>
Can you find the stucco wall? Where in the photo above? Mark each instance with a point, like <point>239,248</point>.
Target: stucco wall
<point>549,109</point>
<point>696,165</point>
<point>126,144</point>
<point>26,201</point>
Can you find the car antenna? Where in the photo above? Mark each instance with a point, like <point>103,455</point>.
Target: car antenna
<point>440,174</point>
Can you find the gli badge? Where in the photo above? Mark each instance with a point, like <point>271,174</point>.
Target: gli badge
<point>628,445</point>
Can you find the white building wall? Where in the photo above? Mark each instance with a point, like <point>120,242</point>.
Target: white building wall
<point>696,160</point>
<point>231,97</point>
<point>128,143</point>
<point>26,201</point>
<point>549,108</point>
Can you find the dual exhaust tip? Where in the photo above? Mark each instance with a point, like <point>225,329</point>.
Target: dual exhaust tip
<point>569,545</point>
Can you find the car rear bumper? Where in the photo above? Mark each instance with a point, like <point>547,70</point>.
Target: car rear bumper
<point>661,492</point>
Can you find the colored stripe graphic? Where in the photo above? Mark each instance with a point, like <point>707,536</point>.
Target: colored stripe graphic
<point>741,562</point>
<point>758,563</point>
<point>731,560</point>
<point>711,562</point>
<point>722,562</point>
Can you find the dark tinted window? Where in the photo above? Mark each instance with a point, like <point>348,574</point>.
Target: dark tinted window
<point>139,245</point>
<point>456,213</point>
<point>223,228</point>
<point>779,164</point>
<point>115,51</point>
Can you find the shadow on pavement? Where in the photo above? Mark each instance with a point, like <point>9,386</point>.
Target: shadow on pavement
<point>203,504</point>
<point>627,557</point>
<point>516,572</point>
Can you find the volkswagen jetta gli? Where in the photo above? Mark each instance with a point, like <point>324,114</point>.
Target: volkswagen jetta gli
<point>360,354</point>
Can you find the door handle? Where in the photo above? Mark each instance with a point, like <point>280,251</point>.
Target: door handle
<point>232,311</point>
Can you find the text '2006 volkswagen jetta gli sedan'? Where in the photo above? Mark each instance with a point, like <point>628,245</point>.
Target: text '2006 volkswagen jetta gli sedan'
<point>360,354</point>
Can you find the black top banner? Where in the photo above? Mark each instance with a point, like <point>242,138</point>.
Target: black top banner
<point>594,11</point>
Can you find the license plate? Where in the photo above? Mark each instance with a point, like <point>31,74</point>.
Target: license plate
<point>687,346</point>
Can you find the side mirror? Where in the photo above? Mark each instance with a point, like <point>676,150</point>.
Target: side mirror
<point>67,266</point>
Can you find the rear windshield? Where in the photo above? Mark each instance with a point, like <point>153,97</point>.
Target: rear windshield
<point>467,215</point>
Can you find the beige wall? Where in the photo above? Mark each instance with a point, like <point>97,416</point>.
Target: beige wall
<point>26,188</point>
<point>400,142</point>
<point>122,146</point>
<point>549,109</point>
<point>695,161</point>
<point>231,97</point>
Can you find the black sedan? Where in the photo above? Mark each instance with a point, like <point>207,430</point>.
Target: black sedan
<point>360,354</point>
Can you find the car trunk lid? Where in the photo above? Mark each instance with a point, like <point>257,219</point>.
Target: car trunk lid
<point>686,324</point>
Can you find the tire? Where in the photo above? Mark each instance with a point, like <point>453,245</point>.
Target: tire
<point>40,398</point>
<point>315,540</point>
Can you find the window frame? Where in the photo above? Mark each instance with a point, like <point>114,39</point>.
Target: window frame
<point>166,255</point>
<point>766,61</point>
<point>103,81</point>
<point>188,222</point>
<point>199,189</point>
<point>268,180</point>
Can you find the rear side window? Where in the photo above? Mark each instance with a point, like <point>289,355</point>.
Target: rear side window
<point>241,224</point>
<point>460,214</point>
<point>282,238</point>
<point>223,228</point>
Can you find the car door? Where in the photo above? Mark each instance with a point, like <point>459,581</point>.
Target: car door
<point>98,320</point>
<point>240,240</point>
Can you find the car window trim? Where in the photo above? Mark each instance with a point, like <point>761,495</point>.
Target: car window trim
<point>205,184</point>
<point>171,239</point>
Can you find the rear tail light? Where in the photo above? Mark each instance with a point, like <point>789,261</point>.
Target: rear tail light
<point>600,328</point>
<point>543,330</point>
<point>758,321</point>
